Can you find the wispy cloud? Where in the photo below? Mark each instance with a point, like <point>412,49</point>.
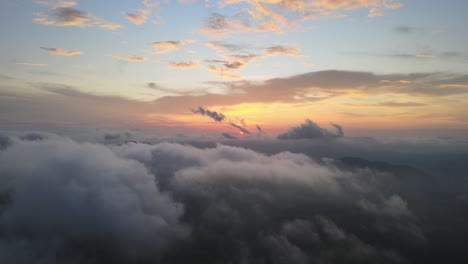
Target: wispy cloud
<point>64,13</point>
<point>141,15</point>
<point>32,64</point>
<point>283,50</point>
<point>161,47</point>
<point>221,25</point>
<point>406,29</point>
<point>129,58</point>
<point>62,52</point>
<point>225,68</point>
<point>182,65</point>
<point>223,46</point>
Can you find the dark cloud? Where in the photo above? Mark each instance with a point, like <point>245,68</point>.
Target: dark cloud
<point>68,15</point>
<point>241,128</point>
<point>310,130</point>
<point>259,129</point>
<point>229,135</point>
<point>5,141</point>
<point>218,117</point>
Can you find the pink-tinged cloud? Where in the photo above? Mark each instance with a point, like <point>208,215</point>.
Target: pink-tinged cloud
<point>32,64</point>
<point>183,65</point>
<point>283,50</point>
<point>129,58</point>
<point>141,15</point>
<point>161,47</point>
<point>62,52</point>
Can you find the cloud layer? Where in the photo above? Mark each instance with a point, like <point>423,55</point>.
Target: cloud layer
<point>172,203</point>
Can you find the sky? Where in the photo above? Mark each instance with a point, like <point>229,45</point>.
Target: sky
<point>395,67</point>
<point>233,131</point>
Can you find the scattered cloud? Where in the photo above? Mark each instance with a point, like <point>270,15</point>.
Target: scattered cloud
<point>183,65</point>
<point>218,45</point>
<point>229,135</point>
<point>161,47</point>
<point>282,50</point>
<point>407,29</point>
<point>141,16</point>
<point>218,117</point>
<point>310,130</point>
<point>226,68</point>
<point>241,128</point>
<point>129,58</point>
<point>32,64</point>
<point>62,52</point>
<point>64,14</point>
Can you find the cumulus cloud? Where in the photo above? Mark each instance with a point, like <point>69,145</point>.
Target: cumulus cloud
<point>284,207</point>
<point>80,202</point>
<point>310,130</point>
<point>64,13</point>
<point>62,52</point>
<point>170,203</point>
<point>218,117</point>
<point>129,58</point>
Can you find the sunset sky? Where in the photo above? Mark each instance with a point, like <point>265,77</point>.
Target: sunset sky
<point>371,66</point>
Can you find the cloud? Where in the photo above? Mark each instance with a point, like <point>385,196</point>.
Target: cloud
<point>183,65</point>
<point>226,68</point>
<point>109,207</point>
<point>241,128</point>
<point>400,104</point>
<point>282,50</point>
<point>161,47</point>
<point>169,202</point>
<point>323,85</point>
<point>221,25</point>
<point>32,64</point>
<point>285,207</point>
<point>64,14</point>
<point>141,16</point>
<point>218,117</point>
<point>259,129</point>
<point>229,135</point>
<point>63,52</point>
<point>218,45</point>
<point>129,58</point>
<point>310,130</point>
<point>279,16</point>
<point>406,29</point>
